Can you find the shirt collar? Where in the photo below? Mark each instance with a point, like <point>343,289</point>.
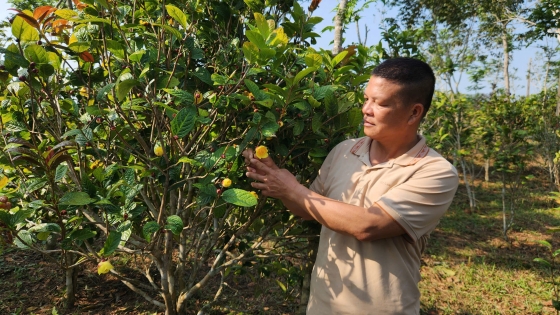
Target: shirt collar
<point>419,151</point>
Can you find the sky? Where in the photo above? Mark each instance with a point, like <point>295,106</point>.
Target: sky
<point>373,16</point>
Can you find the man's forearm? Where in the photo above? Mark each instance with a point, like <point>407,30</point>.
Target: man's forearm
<point>364,224</point>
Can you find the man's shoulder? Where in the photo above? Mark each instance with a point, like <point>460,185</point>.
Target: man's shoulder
<point>435,160</point>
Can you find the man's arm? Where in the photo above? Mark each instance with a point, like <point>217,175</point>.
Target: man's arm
<point>364,224</point>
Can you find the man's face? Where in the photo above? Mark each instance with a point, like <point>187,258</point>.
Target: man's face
<point>385,116</point>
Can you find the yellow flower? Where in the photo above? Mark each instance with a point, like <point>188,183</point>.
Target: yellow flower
<point>254,194</point>
<point>104,267</point>
<point>226,182</point>
<point>261,152</point>
<point>280,123</point>
<point>84,91</point>
<point>96,164</point>
<point>158,150</point>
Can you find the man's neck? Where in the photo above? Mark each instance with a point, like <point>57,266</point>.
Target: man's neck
<point>381,152</point>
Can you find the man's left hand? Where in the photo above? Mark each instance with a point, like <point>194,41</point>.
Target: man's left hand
<point>273,182</point>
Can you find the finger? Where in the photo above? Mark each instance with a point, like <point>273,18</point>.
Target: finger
<point>248,154</point>
<point>256,176</point>
<point>268,161</point>
<point>250,169</point>
<point>260,186</point>
<point>260,166</point>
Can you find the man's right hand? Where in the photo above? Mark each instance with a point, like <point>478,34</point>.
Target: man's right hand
<point>249,154</point>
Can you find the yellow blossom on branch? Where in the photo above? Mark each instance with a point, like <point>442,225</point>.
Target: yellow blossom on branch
<point>226,182</point>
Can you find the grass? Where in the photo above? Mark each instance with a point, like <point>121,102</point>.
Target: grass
<point>469,267</point>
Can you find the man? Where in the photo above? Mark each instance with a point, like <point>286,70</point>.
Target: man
<point>377,197</point>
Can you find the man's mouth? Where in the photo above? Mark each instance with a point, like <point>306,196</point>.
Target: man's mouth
<point>366,123</point>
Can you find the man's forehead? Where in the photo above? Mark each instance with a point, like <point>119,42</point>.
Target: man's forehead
<point>376,81</point>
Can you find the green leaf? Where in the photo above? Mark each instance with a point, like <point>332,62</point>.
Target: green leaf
<point>317,122</point>
<point>320,92</point>
<point>302,74</point>
<point>79,46</point>
<point>239,197</point>
<point>70,133</point>
<point>12,58</point>
<point>45,227</point>
<point>174,224</point>
<point>136,56</point>
<point>36,54</point>
<point>171,30</point>
<point>338,58</point>
<point>203,75</point>
<point>207,193</point>
<point>23,31</point>
<point>104,90</point>
<point>298,127</point>
<point>313,60</point>
<point>269,129</point>
<point>254,88</point>
<point>66,14</point>
<point>543,262</point>
<point>26,237</point>
<point>318,152</point>
<point>60,172</point>
<point>149,228</point>
<point>184,121</point>
<point>177,15</point>
<point>115,48</point>
<point>34,184</point>
<point>256,38</point>
<point>5,217</point>
<point>251,52</point>
<point>19,217</point>
<point>545,243</point>
<point>219,79</point>
<point>124,87</point>
<point>281,285</point>
<point>82,234</point>
<point>181,96</point>
<point>111,244</point>
<point>190,161</point>
<point>331,104</point>
<point>163,82</point>
<point>262,25</point>
<point>76,198</point>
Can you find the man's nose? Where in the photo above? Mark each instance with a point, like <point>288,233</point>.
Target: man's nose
<point>366,108</point>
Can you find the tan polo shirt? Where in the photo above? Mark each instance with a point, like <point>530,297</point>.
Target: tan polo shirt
<point>378,277</point>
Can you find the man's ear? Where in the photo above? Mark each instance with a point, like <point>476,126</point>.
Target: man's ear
<point>416,113</point>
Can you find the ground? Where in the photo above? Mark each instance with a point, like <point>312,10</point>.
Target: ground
<point>468,268</point>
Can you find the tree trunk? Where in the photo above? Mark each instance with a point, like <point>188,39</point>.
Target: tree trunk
<point>529,79</point>
<point>339,27</point>
<point>470,192</point>
<point>558,97</point>
<point>487,170</point>
<point>506,60</point>
<point>70,282</point>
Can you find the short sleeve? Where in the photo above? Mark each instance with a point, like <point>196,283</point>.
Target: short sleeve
<point>418,203</point>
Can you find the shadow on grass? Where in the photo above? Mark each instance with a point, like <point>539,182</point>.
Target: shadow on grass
<point>435,311</point>
<point>478,237</point>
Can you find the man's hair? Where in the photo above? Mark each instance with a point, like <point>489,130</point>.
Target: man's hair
<point>415,76</point>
